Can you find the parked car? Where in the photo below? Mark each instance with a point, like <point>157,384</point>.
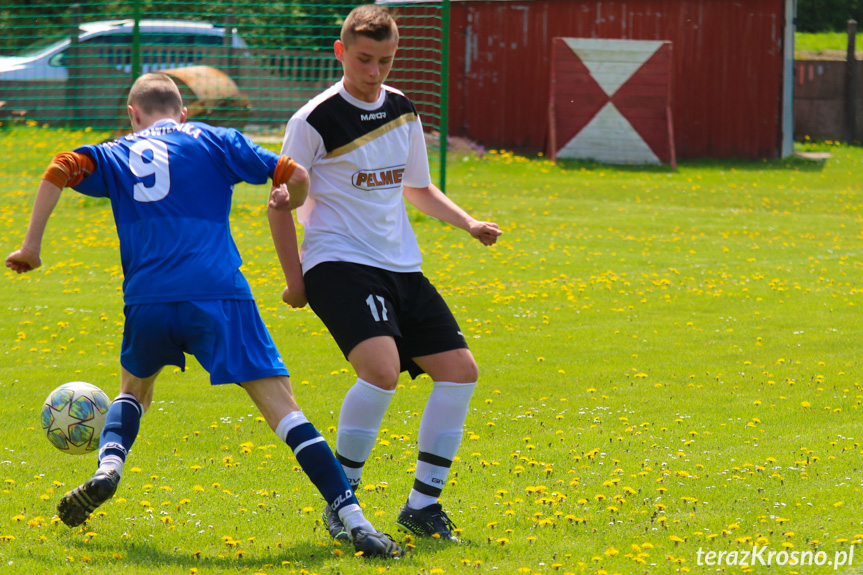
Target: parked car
<point>85,82</point>
<point>163,44</point>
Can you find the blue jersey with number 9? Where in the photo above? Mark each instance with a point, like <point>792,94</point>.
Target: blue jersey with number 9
<point>170,187</point>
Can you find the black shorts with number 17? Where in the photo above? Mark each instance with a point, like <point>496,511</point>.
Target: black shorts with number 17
<point>358,302</point>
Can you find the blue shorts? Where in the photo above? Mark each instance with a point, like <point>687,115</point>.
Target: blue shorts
<point>227,337</point>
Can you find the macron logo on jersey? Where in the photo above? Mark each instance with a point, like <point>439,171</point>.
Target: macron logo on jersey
<point>378,179</point>
<point>375,116</point>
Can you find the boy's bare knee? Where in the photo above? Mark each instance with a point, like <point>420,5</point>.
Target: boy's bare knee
<point>382,376</point>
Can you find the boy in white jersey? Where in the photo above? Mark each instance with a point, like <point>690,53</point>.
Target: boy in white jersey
<point>360,265</point>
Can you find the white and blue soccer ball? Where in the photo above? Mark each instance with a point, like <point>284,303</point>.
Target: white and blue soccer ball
<point>73,417</point>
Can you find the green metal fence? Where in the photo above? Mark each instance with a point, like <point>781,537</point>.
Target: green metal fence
<point>239,63</point>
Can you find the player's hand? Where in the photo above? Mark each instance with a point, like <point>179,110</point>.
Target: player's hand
<point>485,232</point>
<point>295,296</point>
<point>280,199</point>
<point>21,261</point>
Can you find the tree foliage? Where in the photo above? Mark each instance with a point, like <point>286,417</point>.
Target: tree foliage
<point>265,24</point>
<point>828,15</point>
<point>285,24</point>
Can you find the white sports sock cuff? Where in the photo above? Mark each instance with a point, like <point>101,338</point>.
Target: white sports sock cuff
<point>131,400</point>
<point>371,387</point>
<point>289,422</point>
<point>470,386</point>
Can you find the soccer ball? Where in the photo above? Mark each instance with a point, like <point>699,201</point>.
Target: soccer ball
<point>73,417</point>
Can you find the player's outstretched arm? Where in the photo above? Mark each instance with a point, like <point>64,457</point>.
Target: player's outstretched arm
<point>26,258</point>
<point>284,234</point>
<point>66,169</point>
<point>433,202</point>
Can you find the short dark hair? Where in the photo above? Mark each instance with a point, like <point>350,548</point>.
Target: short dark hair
<point>156,93</point>
<point>371,21</point>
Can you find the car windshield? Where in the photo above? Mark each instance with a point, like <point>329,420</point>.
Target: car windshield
<point>162,34</point>
<point>41,46</point>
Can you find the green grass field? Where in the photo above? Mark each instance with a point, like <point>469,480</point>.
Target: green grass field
<point>668,367</point>
<point>825,41</point>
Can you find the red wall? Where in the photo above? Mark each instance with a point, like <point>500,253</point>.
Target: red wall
<point>726,71</point>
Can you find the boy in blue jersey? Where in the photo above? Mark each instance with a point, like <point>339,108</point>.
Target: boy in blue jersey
<point>170,184</point>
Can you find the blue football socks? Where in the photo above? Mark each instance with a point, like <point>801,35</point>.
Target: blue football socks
<point>122,423</point>
<point>317,460</point>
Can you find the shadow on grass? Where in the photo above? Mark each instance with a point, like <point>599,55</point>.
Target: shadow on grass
<point>151,558</point>
<point>792,163</point>
<point>304,556</point>
<point>588,166</point>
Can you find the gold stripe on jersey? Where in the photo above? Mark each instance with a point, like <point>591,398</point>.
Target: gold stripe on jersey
<point>376,133</point>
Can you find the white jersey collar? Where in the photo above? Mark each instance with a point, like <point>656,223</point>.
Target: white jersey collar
<point>165,122</point>
<point>343,92</point>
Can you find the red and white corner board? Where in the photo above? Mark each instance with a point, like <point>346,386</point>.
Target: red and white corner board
<point>611,101</point>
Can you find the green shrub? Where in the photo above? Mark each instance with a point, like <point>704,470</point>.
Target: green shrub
<point>827,15</point>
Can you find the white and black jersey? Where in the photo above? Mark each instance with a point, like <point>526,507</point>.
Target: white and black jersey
<point>359,155</point>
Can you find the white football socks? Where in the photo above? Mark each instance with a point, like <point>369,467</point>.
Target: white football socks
<point>352,516</point>
<point>440,435</point>
<point>359,421</point>
<point>110,462</point>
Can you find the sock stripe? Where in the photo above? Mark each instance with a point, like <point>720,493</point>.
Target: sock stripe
<point>130,400</point>
<point>427,489</point>
<point>321,467</point>
<point>433,459</point>
<point>349,462</point>
<point>305,444</point>
<point>292,422</point>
